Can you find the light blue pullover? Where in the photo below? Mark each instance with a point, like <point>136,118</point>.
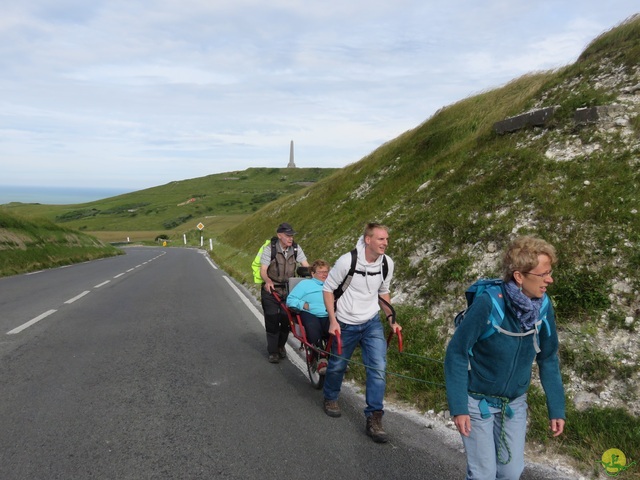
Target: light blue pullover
<point>308,291</point>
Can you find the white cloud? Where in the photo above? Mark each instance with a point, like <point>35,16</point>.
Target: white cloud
<point>141,93</point>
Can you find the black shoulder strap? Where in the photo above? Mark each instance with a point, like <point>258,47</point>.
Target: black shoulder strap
<point>274,253</point>
<point>385,267</point>
<point>273,248</point>
<point>274,240</point>
<point>337,293</point>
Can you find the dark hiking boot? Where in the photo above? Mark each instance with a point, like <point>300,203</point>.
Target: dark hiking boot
<point>332,408</point>
<point>282,352</point>
<point>374,427</point>
<point>274,358</point>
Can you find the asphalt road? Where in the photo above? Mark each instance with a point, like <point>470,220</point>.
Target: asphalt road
<point>152,365</point>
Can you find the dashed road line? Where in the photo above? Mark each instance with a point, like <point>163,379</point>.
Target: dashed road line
<point>77,297</point>
<point>71,300</point>
<point>30,322</point>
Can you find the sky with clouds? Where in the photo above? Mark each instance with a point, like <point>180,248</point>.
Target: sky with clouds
<point>138,93</point>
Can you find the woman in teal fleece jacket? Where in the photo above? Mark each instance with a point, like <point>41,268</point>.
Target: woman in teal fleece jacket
<point>487,379</point>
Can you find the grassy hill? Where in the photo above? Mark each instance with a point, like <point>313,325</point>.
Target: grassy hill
<point>27,245</point>
<point>454,192</point>
<point>218,201</point>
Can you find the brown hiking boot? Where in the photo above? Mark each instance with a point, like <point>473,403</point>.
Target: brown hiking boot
<point>332,408</point>
<point>374,427</point>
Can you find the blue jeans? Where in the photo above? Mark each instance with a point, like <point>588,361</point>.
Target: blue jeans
<point>370,337</point>
<point>482,443</point>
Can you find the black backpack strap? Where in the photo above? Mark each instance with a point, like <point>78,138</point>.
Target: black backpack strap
<point>384,270</point>
<point>390,307</point>
<point>337,293</point>
<point>274,240</point>
<point>385,267</point>
<point>274,253</point>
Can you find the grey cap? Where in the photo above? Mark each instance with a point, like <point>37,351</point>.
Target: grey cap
<point>286,229</point>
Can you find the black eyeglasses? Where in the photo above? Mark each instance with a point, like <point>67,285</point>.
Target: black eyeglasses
<point>541,275</point>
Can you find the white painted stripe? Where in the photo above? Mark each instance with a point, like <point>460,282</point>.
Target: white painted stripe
<point>292,354</point>
<point>246,301</point>
<point>138,266</point>
<point>30,322</point>
<point>118,275</point>
<point>130,270</point>
<point>101,284</point>
<point>295,358</point>
<point>77,297</point>
<point>211,263</point>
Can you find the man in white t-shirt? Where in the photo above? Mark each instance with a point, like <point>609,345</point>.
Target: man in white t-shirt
<point>356,316</point>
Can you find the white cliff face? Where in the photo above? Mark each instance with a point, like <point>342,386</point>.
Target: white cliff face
<point>619,345</point>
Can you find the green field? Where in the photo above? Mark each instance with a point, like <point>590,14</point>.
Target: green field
<point>218,201</point>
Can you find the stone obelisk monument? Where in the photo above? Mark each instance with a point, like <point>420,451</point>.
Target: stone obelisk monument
<point>291,162</point>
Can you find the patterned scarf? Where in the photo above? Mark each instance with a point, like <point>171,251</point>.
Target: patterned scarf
<point>527,309</point>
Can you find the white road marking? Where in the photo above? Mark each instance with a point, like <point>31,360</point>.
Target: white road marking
<point>211,263</point>
<point>246,301</point>
<point>77,297</point>
<point>296,359</point>
<point>30,322</point>
<point>71,300</point>
<point>292,355</point>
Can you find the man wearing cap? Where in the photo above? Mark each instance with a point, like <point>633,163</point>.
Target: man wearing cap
<point>275,273</point>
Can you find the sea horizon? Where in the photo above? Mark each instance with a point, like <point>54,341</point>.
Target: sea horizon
<point>56,195</point>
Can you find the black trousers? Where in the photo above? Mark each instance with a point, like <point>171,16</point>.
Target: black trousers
<point>276,322</point>
<point>316,328</point>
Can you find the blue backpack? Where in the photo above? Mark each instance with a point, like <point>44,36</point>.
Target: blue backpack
<point>493,286</point>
